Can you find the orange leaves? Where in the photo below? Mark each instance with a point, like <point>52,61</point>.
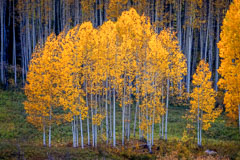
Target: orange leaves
<point>203,96</point>
<point>41,83</point>
<point>97,119</point>
<point>86,63</point>
<point>229,48</point>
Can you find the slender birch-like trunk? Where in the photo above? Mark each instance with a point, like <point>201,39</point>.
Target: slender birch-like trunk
<point>106,109</point>
<point>14,47</point>
<point>44,136</point>
<point>200,134</point>
<point>91,99</point>
<point>77,142</point>
<point>154,114</point>
<point>88,132</point>
<point>153,126</point>
<point>114,117</point>
<point>73,136</point>
<point>163,114</point>
<point>136,110</point>
<point>135,119</point>
<point>179,23</point>
<point>81,129</point>
<point>76,13</point>
<point>129,121</point>
<point>73,132</point>
<point>167,101</point>
<point>100,13</point>
<point>189,39</point>
<point>95,126</point>
<point>33,30</point>
<point>110,112</point>
<point>123,108</point>
<point>198,125</point>
<point>129,117</point>
<point>139,122</point>
<point>217,54</point>
<point>40,30</point>
<point>2,47</point>
<point>50,128</point>
<point>22,55</point>
<point>239,118</point>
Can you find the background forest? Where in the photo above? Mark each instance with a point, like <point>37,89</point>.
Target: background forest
<point>119,79</point>
<point>24,23</point>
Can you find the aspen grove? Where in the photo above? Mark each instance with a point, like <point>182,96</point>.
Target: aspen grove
<point>87,73</point>
<point>119,79</point>
<point>123,74</point>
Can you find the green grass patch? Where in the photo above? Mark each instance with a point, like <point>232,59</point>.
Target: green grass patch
<point>19,139</point>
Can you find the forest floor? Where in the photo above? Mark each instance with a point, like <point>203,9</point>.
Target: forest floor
<point>21,140</point>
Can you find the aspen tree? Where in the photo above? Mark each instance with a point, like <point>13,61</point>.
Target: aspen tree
<point>128,30</point>
<point>159,54</point>
<point>175,67</point>
<point>42,81</point>
<point>87,44</point>
<point>230,61</point>
<point>203,100</point>
<point>35,106</point>
<point>107,35</point>
<point>71,97</point>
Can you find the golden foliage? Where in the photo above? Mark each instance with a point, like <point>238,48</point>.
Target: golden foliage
<point>86,62</point>
<point>203,97</point>
<point>229,48</point>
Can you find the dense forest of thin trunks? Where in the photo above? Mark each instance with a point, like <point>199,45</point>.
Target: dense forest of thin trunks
<point>24,23</point>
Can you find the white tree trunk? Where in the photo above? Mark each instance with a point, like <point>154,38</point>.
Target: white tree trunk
<point>2,40</point>
<point>136,110</point>
<point>50,128</point>
<point>198,125</point>
<point>49,136</point>
<point>106,110</point>
<point>28,38</point>
<point>92,111</point>
<point>163,114</point>
<point>139,122</point>
<point>88,132</point>
<point>114,117</point>
<point>76,13</point>
<point>129,120</point>
<point>44,136</point>
<point>22,54</point>
<point>110,112</point>
<point>200,134</point>
<point>95,126</point>
<point>179,23</point>
<point>189,39</point>
<point>76,121</point>
<point>81,128</point>
<point>73,132</point>
<point>135,119</point>
<point>167,101</point>
<point>14,47</point>
<point>123,108</point>
<point>153,127</point>
<point>239,118</point>
<point>217,54</point>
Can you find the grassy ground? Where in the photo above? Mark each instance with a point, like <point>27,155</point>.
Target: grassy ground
<point>21,140</point>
